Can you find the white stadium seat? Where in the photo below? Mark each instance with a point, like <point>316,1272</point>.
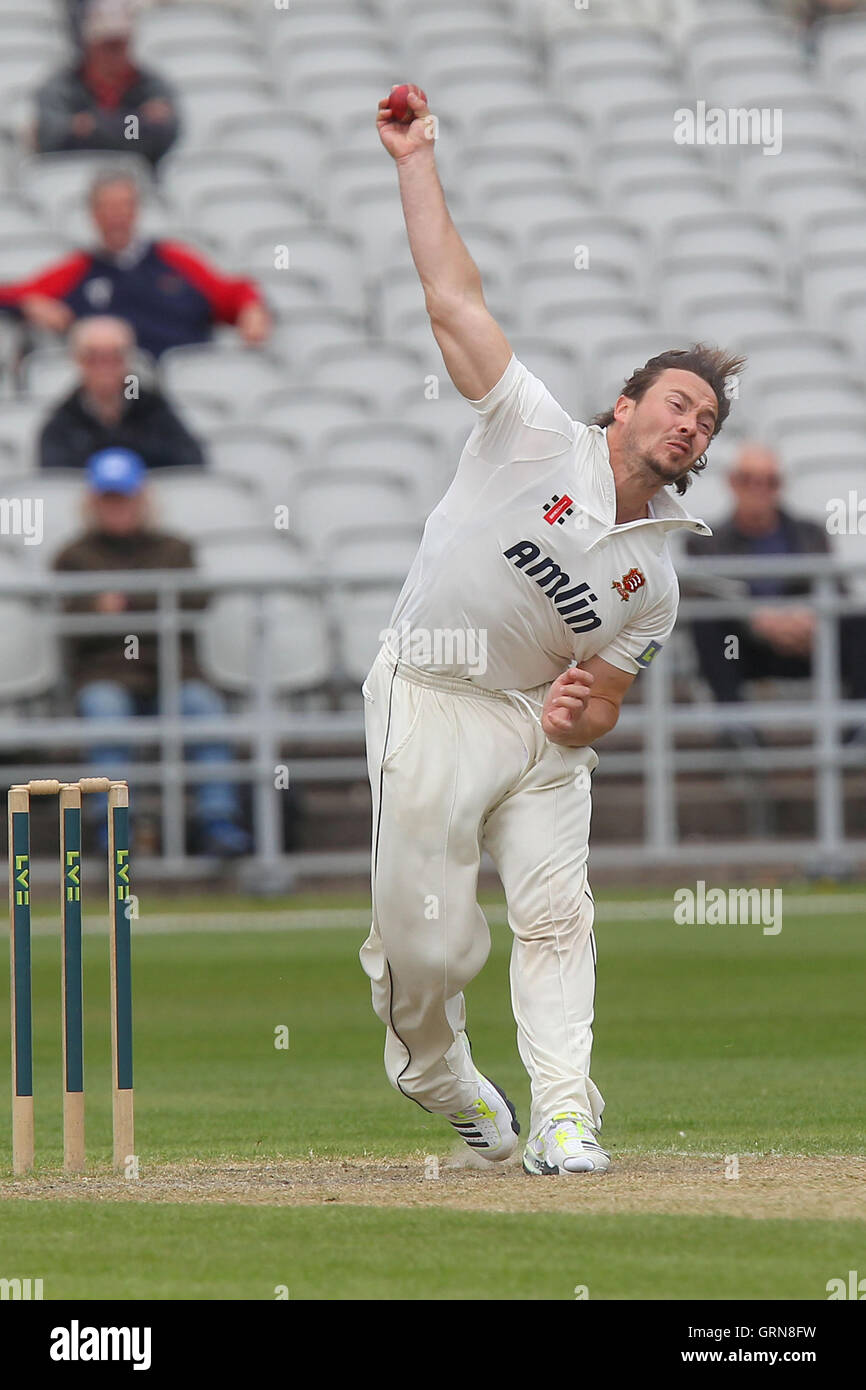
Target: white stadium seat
<point>300,332</point>
<point>378,371</point>
<point>50,180</point>
<point>187,175</point>
<point>19,218</point>
<point>449,417</point>
<point>21,421</point>
<point>709,497</point>
<point>197,502</point>
<point>598,240</point>
<point>329,502</point>
<point>205,105</point>
<point>838,38</point>
<point>363,614</point>
<point>232,215</point>
<point>546,287</point>
<point>598,95</point>
<point>267,459</point>
<point>327,255</point>
<point>25,64</point>
<point>23,254</point>
<point>300,657</point>
<point>50,13</point>
<point>399,297</point>
<point>618,356</point>
<point>469,94</point>
<point>835,233</point>
<point>828,283</point>
<point>559,367</point>
<point>378,553</point>
<point>375,216</point>
<point>683,281</point>
<point>617,168</point>
<point>233,373</point>
<point>255,553</point>
<point>61,495</point>
<point>853,324</point>
<point>29,665</point>
<point>537,127</point>
<point>608,44</point>
<point>203,414</point>
<point>582,327</point>
<point>728,320</point>
<point>810,351</point>
<point>210,60</point>
<point>802,399</point>
<point>449,16</point>
<point>347,173</point>
<point>810,492</point>
<point>48,373</point>
<point>308,412</point>
<point>833,441</point>
<point>191,23</point>
<point>481,169</point>
<point>524,208</point>
<point>344,21</point>
<point>730,233</point>
<point>656,204</point>
<point>394,446</point>
<point>793,200</point>
<point>295,143</point>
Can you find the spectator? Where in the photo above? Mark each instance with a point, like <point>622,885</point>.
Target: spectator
<point>107,684</point>
<point>809,15</point>
<point>774,642</point>
<point>110,409</point>
<point>167,292</point>
<point>103,101</point>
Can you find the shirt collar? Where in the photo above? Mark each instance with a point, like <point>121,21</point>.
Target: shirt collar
<point>666,510</point>
<point>128,257</point>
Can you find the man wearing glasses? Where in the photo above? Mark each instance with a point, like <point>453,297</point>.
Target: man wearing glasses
<point>109,409</point>
<point>772,642</point>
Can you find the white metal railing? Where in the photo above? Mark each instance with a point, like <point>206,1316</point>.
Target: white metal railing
<point>263,723</point>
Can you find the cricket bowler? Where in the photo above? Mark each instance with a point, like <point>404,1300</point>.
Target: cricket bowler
<point>550,550</point>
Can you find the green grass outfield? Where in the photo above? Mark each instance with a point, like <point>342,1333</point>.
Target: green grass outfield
<point>709,1040</point>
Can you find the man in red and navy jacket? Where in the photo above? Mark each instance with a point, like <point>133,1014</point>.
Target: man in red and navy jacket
<point>168,293</point>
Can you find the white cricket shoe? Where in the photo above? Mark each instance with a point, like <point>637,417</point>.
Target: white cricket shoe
<point>489,1125</point>
<point>566,1144</point>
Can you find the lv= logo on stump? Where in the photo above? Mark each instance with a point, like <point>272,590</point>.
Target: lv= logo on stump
<point>69,798</point>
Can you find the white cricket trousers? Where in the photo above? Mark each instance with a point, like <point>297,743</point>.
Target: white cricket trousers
<point>455,769</point>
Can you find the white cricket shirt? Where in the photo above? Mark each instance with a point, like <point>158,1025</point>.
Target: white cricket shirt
<point>522,561</point>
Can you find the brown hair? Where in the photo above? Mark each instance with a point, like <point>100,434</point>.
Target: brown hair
<point>714,365</point>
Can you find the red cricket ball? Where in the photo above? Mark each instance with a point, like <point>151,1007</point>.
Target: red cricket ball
<point>400,109</point>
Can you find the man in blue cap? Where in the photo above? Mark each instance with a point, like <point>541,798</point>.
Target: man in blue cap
<point>109,681</point>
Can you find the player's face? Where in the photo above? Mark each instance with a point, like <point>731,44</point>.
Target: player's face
<point>673,422</point>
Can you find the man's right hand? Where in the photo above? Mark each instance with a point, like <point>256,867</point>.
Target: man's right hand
<point>44,312</point>
<point>82,125</point>
<point>399,139</point>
